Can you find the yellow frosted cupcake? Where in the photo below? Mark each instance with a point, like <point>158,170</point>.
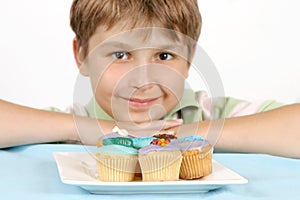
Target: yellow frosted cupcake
<point>196,157</point>
<point>160,161</point>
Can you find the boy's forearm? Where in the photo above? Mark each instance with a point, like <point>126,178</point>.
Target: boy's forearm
<point>274,132</point>
<point>23,125</point>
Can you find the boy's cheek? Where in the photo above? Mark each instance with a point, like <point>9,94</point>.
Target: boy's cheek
<point>152,74</point>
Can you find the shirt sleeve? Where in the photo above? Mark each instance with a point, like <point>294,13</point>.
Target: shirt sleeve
<point>230,107</point>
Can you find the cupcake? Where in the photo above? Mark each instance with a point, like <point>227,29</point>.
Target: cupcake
<point>116,158</point>
<point>196,157</point>
<point>117,133</point>
<point>119,137</point>
<point>160,161</point>
<point>116,163</point>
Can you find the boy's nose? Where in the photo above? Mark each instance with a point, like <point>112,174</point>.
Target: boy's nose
<point>140,76</point>
<point>141,72</point>
<point>143,57</point>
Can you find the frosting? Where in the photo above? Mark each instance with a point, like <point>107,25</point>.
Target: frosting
<point>121,132</point>
<point>191,138</point>
<point>114,138</point>
<point>127,142</point>
<point>193,142</point>
<point>173,146</point>
<point>113,135</point>
<point>116,132</point>
<point>117,149</point>
<point>142,141</point>
<point>191,145</point>
<point>116,143</point>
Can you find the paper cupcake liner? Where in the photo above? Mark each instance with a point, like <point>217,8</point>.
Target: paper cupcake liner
<point>160,166</point>
<point>116,168</point>
<point>196,164</point>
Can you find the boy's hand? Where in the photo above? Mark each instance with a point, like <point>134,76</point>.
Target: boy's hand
<point>151,128</point>
<point>89,130</point>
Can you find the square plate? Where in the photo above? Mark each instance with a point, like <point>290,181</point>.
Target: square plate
<point>79,169</point>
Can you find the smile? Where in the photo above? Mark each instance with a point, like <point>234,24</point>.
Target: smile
<point>136,102</point>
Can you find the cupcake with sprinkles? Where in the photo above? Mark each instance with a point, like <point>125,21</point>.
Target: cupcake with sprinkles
<point>160,160</point>
<point>196,157</point>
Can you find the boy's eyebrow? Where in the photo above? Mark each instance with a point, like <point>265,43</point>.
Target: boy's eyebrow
<point>131,47</point>
<point>116,44</point>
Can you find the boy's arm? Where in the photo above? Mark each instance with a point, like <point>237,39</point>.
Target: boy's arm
<point>23,125</point>
<point>275,132</point>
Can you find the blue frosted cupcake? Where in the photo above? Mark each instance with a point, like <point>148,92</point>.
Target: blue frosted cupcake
<point>117,162</point>
<point>196,157</point>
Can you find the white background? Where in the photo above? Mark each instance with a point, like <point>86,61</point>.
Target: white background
<point>255,45</point>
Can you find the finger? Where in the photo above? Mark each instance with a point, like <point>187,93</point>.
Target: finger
<point>153,126</point>
<point>149,128</point>
<point>139,130</point>
<point>172,123</point>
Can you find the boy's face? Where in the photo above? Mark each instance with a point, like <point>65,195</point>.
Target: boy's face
<point>137,75</point>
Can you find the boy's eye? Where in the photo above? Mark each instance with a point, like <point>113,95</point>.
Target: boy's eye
<point>165,56</point>
<point>120,55</point>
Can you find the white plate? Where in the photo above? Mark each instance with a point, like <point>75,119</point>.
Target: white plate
<point>79,168</point>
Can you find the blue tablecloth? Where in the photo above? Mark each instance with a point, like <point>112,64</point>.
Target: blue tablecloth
<point>30,172</point>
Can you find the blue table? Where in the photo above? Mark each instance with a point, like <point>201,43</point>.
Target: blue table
<point>30,172</point>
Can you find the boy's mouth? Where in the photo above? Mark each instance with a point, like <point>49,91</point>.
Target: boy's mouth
<point>137,102</point>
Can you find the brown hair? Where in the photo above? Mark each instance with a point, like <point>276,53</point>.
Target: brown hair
<point>178,15</point>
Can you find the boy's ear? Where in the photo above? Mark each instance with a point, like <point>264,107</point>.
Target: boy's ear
<point>79,57</point>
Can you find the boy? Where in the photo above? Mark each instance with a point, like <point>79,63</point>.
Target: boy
<point>137,54</point>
